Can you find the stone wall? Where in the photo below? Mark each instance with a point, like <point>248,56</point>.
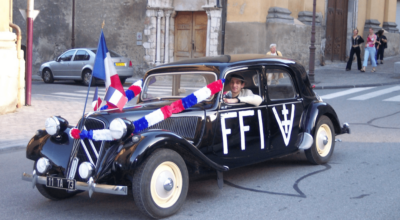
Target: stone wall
<point>53,27</point>
<point>293,40</point>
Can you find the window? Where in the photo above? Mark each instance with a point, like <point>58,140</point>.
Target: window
<point>280,84</point>
<point>112,53</point>
<point>81,55</point>
<point>67,56</point>
<point>175,85</point>
<point>251,79</point>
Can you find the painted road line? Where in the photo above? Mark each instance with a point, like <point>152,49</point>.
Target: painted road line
<point>345,92</point>
<point>56,96</point>
<point>376,93</point>
<point>70,94</point>
<point>393,99</point>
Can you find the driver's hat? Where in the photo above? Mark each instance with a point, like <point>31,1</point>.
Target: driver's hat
<point>237,77</point>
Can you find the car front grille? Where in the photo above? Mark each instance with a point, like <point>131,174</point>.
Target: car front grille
<point>182,126</point>
<point>89,150</point>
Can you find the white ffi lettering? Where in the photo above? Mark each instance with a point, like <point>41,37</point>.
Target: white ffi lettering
<point>244,128</point>
<point>224,130</point>
<point>260,123</point>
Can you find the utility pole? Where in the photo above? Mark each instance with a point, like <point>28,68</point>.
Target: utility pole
<point>311,65</point>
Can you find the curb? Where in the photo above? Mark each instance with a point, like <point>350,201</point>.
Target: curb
<point>356,86</point>
<point>12,148</point>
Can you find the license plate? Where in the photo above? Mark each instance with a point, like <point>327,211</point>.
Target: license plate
<point>60,183</point>
<point>120,64</point>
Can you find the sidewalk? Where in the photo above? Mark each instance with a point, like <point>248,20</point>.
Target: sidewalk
<point>335,76</point>
<point>17,128</point>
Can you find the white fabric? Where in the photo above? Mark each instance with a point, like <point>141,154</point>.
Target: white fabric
<point>274,54</point>
<point>154,117</point>
<point>138,83</point>
<point>202,94</point>
<point>94,103</point>
<point>109,69</point>
<point>116,96</point>
<point>102,135</point>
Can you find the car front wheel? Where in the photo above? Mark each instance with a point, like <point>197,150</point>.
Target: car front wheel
<point>324,142</point>
<point>47,76</point>
<point>161,183</point>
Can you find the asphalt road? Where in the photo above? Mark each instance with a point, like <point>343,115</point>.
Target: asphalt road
<point>361,181</point>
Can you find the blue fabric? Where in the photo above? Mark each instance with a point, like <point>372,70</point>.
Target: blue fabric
<point>369,52</point>
<point>129,94</point>
<point>99,70</point>
<point>104,107</point>
<point>223,81</point>
<point>86,134</point>
<point>95,94</point>
<point>189,101</point>
<point>140,125</point>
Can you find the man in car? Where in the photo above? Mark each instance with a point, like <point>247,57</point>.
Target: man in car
<point>240,95</point>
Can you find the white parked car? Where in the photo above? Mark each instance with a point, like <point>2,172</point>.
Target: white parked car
<point>77,64</point>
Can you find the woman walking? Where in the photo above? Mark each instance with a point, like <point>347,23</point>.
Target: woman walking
<point>370,51</point>
<point>356,41</point>
<point>381,45</point>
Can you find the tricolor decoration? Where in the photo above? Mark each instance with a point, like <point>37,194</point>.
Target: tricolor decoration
<point>116,98</point>
<point>134,90</point>
<point>97,135</point>
<point>162,113</point>
<point>96,103</point>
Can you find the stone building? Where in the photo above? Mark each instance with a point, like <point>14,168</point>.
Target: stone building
<point>11,62</point>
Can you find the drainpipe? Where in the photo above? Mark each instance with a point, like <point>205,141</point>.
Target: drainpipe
<point>224,9</point>
<point>19,37</point>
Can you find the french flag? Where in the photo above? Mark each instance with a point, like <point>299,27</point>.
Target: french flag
<point>104,67</point>
<point>96,103</point>
<point>116,97</point>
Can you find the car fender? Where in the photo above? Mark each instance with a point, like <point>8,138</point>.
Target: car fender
<point>314,112</point>
<point>57,150</point>
<point>43,66</point>
<point>133,154</point>
<point>87,66</point>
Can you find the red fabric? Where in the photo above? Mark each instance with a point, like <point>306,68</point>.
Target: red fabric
<point>177,106</point>
<point>215,87</point>
<point>167,111</point>
<point>75,133</point>
<point>135,89</point>
<point>98,104</point>
<point>116,83</point>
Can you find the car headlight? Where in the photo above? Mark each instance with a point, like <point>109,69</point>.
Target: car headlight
<point>43,165</point>
<point>118,128</point>
<point>86,170</point>
<point>55,125</point>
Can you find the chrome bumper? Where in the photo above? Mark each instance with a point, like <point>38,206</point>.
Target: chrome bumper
<point>305,141</point>
<point>89,186</point>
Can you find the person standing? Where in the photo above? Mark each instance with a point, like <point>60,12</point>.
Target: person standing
<point>355,49</point>
<point>381,45</point>
<point>274,76</point>
<point>370,51</point>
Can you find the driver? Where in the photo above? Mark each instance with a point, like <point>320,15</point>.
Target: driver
<point>238,94</point>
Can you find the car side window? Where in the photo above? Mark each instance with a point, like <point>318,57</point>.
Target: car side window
<point>81,55</point>
<point>280,84</point>
<point>67,56</point>
<point>251,82</point>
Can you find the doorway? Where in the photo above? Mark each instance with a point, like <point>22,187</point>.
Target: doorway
<point>336,30</point>
<point>190,35</point>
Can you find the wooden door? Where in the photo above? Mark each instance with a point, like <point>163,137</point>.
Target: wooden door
<point>336,30</point>
<point>190,35</point>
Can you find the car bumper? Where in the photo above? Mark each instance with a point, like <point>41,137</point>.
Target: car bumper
<point>125,72</point>
<point>89,186</point>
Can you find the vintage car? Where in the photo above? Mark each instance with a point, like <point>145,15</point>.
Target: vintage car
<point>209,137</point>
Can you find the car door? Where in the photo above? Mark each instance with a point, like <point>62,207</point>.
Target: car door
<point>62,66</point>
<point>240,137</point>
<point>81,58</point>
<point>285,108</point>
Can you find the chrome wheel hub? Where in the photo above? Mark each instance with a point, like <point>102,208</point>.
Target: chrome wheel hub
<point>168,184</point>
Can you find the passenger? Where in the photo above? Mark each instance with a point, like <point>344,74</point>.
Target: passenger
<point>240,95</point>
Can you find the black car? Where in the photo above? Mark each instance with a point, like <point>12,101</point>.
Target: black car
<point>211,136</point>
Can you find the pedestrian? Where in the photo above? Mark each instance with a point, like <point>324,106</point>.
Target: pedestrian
<point>355,49</point>
<point>274,76</point>
<point>381,45</point>
<point>370,51</point>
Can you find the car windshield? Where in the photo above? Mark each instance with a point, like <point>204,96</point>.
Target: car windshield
<point>112,53</point>
<point>175,85</point>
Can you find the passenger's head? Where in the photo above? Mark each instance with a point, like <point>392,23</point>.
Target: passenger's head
<point>272,48</point>
<point>236,83</point>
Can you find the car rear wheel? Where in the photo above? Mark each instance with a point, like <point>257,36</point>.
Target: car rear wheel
<point>86,76</point>
<point>324,142</point>
<point>160,184</point>
<point>47,76</point>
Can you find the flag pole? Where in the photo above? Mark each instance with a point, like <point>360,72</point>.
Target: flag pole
<point>87,95</point>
